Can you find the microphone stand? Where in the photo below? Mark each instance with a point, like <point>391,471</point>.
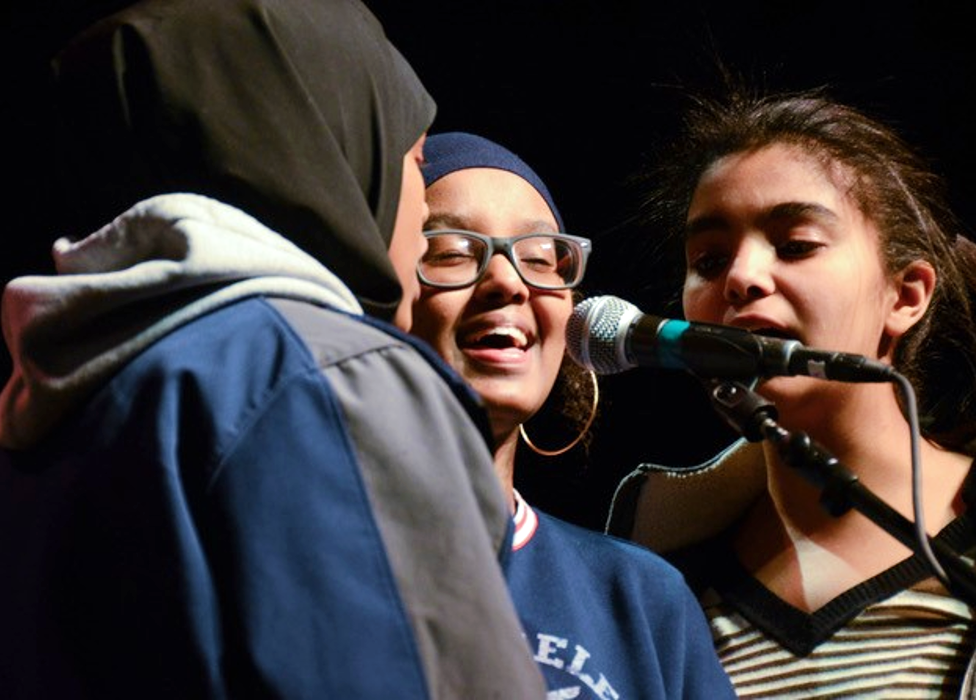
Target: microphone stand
<point>841,490</point>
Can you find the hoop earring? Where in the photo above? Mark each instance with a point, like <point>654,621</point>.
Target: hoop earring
<point>586,427</point>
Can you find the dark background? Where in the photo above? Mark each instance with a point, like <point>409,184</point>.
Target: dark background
<point>584,91</point>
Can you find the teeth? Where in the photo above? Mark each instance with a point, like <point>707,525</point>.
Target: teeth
<point>509,331</point>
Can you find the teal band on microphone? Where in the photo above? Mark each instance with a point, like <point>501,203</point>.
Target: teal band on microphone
<point>669,343</point>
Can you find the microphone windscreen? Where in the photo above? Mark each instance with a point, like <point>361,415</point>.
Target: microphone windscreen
<point>596,334</point>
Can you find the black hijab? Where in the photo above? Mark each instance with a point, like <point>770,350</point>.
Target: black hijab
<point>299,112</point>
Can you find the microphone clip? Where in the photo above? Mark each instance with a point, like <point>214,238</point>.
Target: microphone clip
<point>747,412</point>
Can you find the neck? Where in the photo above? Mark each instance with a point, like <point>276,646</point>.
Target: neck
<point>504,459</point>
<point>868,435</point>
<point>807,556</point>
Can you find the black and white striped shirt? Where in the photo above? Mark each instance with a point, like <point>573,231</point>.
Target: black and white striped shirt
<point>897,635</point>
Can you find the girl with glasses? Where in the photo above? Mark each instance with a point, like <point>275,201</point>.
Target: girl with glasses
<point>603,618</point>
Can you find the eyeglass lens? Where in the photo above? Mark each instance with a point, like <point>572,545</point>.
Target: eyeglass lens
<point>542,260</point>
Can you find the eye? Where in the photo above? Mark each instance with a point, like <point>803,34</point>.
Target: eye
<point>538,254</point>
<point>443,257</point>
<point>708,264</point>
<point>451,251</point>
<point>797,249</point>
<point>538,262</point>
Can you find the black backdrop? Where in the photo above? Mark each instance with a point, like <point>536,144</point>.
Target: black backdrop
<point>583,90</point>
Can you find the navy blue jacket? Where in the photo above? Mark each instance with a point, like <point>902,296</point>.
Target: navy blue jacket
<point>212,493</point>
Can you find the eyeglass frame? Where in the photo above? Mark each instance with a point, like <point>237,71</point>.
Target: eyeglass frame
<point>505,245</point>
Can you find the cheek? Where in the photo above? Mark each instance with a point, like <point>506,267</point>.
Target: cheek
<point>552,314</point>
<point>435,316</point>
<point>405,252</point>
<point>408,278</point>
<point>695,301</point>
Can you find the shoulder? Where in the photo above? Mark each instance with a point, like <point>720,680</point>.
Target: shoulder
<point>622,560</point>
<point>333,336</point>
<point>246,351</point>
<point>264,340</point>
<point>665,508</point>
<point>243,362</point>
<point>378,352</point>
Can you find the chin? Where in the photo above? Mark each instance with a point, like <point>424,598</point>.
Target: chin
<point>787,388</point>
<point>512,406</point>
<point>803,396</point>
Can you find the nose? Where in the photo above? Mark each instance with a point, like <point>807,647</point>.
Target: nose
<point>501,279</point>
<point>750,272</point>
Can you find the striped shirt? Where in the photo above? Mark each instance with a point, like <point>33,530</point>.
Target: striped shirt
<point>915,644</point>
<point>899,634</point>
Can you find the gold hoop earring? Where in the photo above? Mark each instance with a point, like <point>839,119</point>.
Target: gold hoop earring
<point>586,427</point>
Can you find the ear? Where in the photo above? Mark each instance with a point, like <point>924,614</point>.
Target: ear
<point>912,287</point>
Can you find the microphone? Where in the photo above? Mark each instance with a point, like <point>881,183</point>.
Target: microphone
<point>608,335</point>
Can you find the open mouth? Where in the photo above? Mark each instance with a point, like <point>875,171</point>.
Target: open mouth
<point>498,338</point>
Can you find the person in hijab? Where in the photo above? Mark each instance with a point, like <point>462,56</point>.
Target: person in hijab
<point>605,618</point>
<point>226,471</point>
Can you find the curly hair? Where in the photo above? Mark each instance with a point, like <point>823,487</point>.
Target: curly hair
<point>570,403</point>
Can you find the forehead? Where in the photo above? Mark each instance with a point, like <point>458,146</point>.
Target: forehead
<point>773,174</point>
<point>773,189</point>
<point>478,195</point>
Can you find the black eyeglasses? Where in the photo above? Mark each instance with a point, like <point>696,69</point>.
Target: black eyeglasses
<point>457,259</point>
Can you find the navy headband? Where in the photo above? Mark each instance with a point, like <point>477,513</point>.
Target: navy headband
<point>456,150</point>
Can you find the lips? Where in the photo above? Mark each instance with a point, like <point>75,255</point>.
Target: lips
<point>761,325</point>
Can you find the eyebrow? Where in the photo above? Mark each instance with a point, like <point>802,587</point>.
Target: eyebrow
<point>450,220</point>
<point>445,220</point>
<point>779,212</point>
<point>701,224</point>
<point>801,210</point>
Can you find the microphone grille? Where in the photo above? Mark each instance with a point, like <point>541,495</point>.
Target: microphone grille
<point>596,334</point>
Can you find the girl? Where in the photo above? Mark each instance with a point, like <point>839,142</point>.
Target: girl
<point>803,218</point>
<point>604,618</point>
